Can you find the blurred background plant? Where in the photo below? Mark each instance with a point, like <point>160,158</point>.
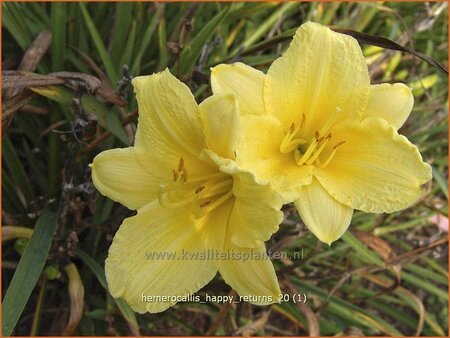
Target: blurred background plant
<point>387,276</point>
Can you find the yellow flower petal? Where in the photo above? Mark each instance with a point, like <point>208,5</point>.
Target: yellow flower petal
<point>251,274</point>
<point>255,214</point>
<point>169,124</point>
<point>259,152</point>
<point>392,102</point>
<point>220,117</point>
<point>245,82</point>
<point>149,256</point>
<point>322,214</point>
<point>320,72</point>
<point>376,170</point>
<point>117,173</point>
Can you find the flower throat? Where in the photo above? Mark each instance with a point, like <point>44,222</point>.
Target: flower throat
<point>307,152</point>
<point>205,192</point>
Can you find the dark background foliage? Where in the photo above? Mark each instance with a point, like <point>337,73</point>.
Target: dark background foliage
<point>386,276</point>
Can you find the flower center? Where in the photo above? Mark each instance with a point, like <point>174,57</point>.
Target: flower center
<point>307,152</point>
<point>205,193</point>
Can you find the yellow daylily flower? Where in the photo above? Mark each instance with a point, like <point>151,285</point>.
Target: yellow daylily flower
<point>197,211</point>
<point>323,135</point>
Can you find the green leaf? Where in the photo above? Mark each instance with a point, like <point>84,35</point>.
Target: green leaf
<point>363,252</point>
<point>58,27</point>
<point>105,116</point>
<point>191,53</point>
<point>267,25</point>
<point>99,272</point>
<point>10,198</point>
<point>426,285</point>
<point>122,22</point>
<point>110,70</point>
<point>28,270</point>
<point>93,265</point>
<point>420,86</point>
<point>441,181</point>
<point>16,169</point>
<point>18,31</point>
<point>355,315</point>
<point>128,51</point>
<point>144,42</point>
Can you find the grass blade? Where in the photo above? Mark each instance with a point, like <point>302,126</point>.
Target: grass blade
<point>122,24</point>
<point>98,271</point>
<point>110,70</point>
<point>441,181</point>
<point>144,42</point>
<point>16,169</point>
<point>191,53</point>
<point>58,27</point>
<point>28,270</point>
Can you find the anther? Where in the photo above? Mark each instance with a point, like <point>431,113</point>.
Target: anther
<point>212,206</point>
<point>175,175</point>
<point>291,128</point>
<point>303,120</point>
<point>200,188</point>
<point>204,204</point>
<point>181,164</point>
<point>338,144</point>
<point>316,155</point>
<point>185,173</point>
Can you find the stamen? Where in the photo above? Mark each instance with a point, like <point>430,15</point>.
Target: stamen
<point>330,157</point>
<point>200,188</point>
<point>215,204</point>
<point>313,158</point>
<point>319,162</point>
<point>216,189</point>
<point>308,152</point>
<point>303,120</point>
<point>339,144</point>
<point>291,128</point>
<point>204,204</point>
<point>215,176</point>
<point>175,175</point>
<point>290,145</point>
<point>328,160</point>
<point>185,173</point>
<point>297,155</point>
<point>181,164</point>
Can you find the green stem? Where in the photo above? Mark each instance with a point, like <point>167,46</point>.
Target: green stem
<point>38,312</point>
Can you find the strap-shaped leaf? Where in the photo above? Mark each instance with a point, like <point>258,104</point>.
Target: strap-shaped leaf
<point>389,44</point>
<point>28,270</point>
